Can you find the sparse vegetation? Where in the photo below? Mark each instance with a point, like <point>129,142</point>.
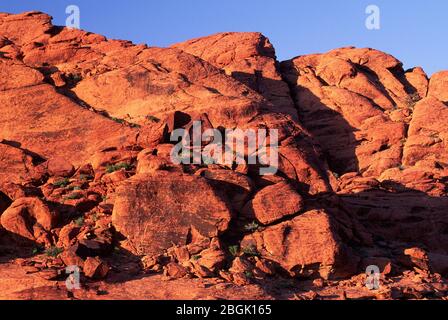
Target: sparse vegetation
<point>74,196</point>
<point>134,125</point>
<point>234,250</point>
<point>115,167</point>
<point>94,217</point>
<point>253,226</point>
<point>248,274</point>
<point>117,120</point>
<point>152,119</point>
<point>79,222</point>
<point>124,122</point>
<point>36,250</point>
<point>62,183</point>
<point>85,177</point>
<point>412,100</point>
<point>196,257</point>
<point>251,251</point>
<point>53,251</point>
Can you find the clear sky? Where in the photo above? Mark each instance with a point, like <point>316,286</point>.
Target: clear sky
<point>414,31</point>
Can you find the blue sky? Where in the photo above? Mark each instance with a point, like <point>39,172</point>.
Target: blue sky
<point>413,31</point>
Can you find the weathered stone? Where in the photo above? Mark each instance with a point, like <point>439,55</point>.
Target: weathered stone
<point>156,211</point>
<point>95,268</point>
<point>309,241</point>
<point>274,203</point>
<point>30,218</point>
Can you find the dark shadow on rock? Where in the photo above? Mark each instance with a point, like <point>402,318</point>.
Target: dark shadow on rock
<point>37,159</point>
<point>264,87</point>
<point>329,128</point>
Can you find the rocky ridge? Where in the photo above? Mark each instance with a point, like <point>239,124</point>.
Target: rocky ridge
<point>86,177</point>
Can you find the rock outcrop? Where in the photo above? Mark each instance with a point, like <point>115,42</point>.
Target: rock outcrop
<point>87,177</point>
<point>156,211</point>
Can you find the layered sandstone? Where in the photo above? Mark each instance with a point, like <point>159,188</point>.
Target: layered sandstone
<point>86,173</point>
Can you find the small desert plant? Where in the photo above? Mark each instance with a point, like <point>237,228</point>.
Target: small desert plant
<point>115,167</point>
<point>248,274</point>
<point>152,118</point>
<point>196,257</point>
<point>79,222</point>
<point>234,250</point>
<point>62,183</point>
<point>134,125</point>
<point>412,100</point>
<point>74,196</point>
<point>53,251</point>
<point>84,177</point>
<point>252,226</point>
<point>36,250</point>
<point>251,251</point>
<point>117,120</point>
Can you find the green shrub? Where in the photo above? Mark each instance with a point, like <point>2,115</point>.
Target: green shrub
<point>250,251</point>
<point>152,118</point>
<point>84,177</point>
<point>234,250</point>
<point>79,221</point>
<point>53,251</point>
<point>117,120</point>
<point>36,250</point>
<point>252,226</point>
<point>115,167</point>
<point>74,196</point>
<point>62,183</point>
<point>196,257</point>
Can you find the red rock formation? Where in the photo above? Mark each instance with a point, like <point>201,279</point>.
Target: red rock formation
<point>84,136</point>
<point>156,211</point>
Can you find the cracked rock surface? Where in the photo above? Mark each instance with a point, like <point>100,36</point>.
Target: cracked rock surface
<point>86,177</point>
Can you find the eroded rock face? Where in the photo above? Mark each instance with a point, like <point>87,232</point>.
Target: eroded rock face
<point>438,86</point>
<point>248,57</point>
<point>355,103</point>
<point>428,134</point>
<point>84,137</point>
<point>16,165</point>
<point>39,119</point>
<point>308,242</point>
<point>156,211</point>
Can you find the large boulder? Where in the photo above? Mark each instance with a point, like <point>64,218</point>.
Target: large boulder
<point>16,165</point>
<point>427,134</point>
<point>400,217</point>
<point>30,218</point>
<point>274,203</point>
<point>306,244</point>
<point>438,86</point>
<point>164,209</point>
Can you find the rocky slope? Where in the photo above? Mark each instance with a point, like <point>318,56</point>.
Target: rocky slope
<point>86,177</point>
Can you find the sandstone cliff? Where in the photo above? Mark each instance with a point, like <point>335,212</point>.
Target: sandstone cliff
<point>86,175</point>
